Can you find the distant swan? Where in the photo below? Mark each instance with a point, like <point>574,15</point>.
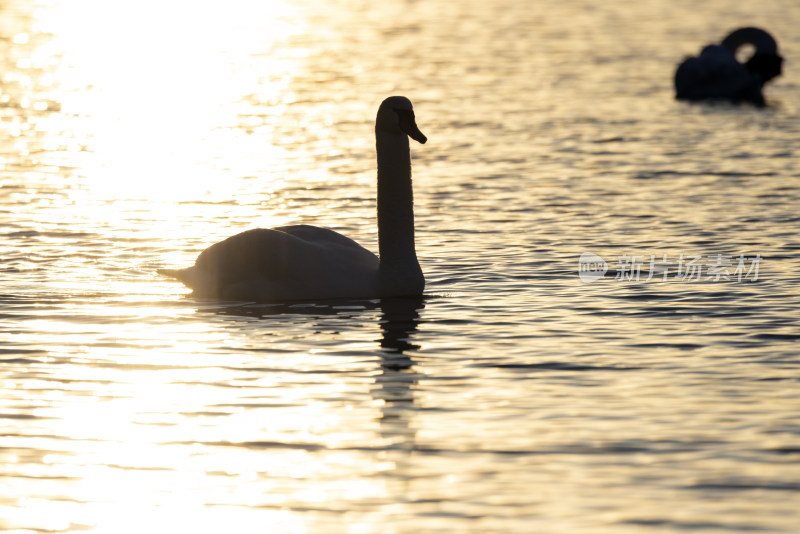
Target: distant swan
<point>717,74</point>
<point>307,262</point>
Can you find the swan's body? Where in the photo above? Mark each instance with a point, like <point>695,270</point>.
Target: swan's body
<point>717,74</point>
<point>307,262</point>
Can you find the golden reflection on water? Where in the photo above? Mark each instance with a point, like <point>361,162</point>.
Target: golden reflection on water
<point>152,89</point>
<point>144,101</point>
<point>138,133</point>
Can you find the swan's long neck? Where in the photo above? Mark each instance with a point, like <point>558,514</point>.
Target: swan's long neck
<point>761,40</point>
<point>395,202</point>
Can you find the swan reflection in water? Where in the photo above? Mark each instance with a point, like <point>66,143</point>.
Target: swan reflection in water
<point>717,75</point>
<point>397,380</point>
<point>394,384</point>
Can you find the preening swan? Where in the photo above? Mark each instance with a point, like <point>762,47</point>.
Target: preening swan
<point>717,74</point>
<point>307,262</point>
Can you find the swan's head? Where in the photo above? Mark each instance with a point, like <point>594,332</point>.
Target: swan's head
<point>396,116</point>
<point>768,66</point>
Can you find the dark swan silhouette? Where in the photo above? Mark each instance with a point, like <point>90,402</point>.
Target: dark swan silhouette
<point>717,74</point>
<point>306,262</point>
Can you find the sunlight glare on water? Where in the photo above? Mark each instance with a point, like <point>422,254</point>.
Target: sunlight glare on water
<point>514,397</point>
<point>154,89</point>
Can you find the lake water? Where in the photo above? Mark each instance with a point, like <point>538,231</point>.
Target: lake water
<point>518,396</point>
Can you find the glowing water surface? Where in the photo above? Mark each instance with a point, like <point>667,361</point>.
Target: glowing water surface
<point>514,397</point>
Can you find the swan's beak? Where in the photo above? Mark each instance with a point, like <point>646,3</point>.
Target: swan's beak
<point>409,126</point>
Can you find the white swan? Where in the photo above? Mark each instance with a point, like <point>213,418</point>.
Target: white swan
<point>717,74</point>
<point>307,262</point>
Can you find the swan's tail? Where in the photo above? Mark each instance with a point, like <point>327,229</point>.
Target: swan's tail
<point>178,274</point>
<point>199,281</point>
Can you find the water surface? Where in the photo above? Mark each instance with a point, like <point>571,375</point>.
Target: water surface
<point>514,397</point>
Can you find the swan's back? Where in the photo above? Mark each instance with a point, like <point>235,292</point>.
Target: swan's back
<point>283,262</point>
<point>714,74</point>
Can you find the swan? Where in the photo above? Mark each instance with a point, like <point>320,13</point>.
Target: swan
<point>307,262</point>
<point>717,74</point>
